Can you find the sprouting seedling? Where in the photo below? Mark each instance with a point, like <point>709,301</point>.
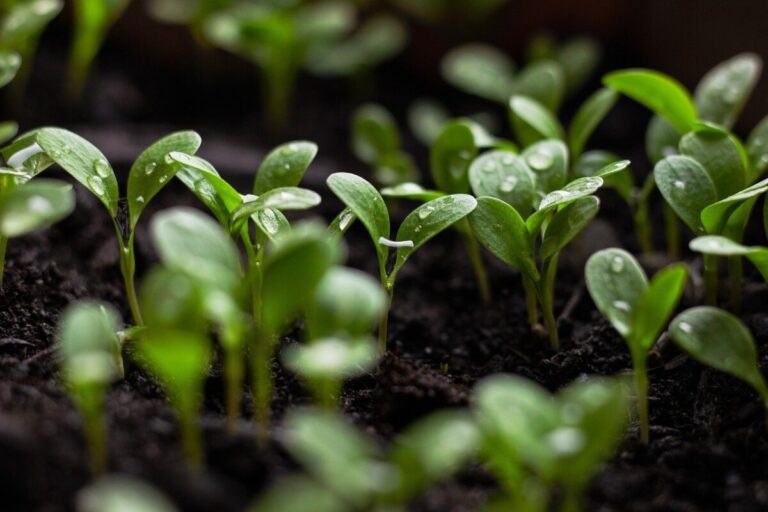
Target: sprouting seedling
<point>122,493</point>
<point>719,339</point>
<point>346,307</point>
<point>426,119</point>
<point>30,206</point>
<point>365,203</point>
<point>528,235</point>
<point>347,471</point>
<point>92,21</point>
<point>376,141</point>
<point>33,152</point>
<point>21,24</point>
<point>193,245</point>
<point>537,443</point>
<point>637,309</point>
<point>90,361</point>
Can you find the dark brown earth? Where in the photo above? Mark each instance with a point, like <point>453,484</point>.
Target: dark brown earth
<point>708,447</point>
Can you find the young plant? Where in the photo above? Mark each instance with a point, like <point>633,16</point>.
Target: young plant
<point>537,443</point>
<point>29,206</point>
<point>90,361</point>
<point>638,309</point>
<point>347,471</point>
<point>122,493</point>
<point>345,309</point>
<point>376,141</point>
<point>92,21</point>
<point>527,235</point>
<point>35,151</point>
<point>364,202</point>
<point>719,339</point>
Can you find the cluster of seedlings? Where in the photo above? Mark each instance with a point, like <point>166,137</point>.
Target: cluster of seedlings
<point>228,285</point>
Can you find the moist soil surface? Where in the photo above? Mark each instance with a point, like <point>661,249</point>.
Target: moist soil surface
<point>708,435</point>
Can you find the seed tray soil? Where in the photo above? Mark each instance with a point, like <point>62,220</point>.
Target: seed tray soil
<point>708,436</point>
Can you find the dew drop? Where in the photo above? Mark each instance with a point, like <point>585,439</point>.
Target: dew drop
<point>345,220</point>
<point>163,178</point>
<point>96,185</point>
<point>203,188</point>
<point>150,168</point>
<point>508,185</point>
<point>287,150</point>
<point>426,211</point>
<point>287,166</point>
<point>39,204</point>
<point>566,440</point>
<point>617,264</point>
<point>417,229</point>
<point>101,167</point>
<point>540,160</point>
<point>508,159</point>
<point>168,159</point>
<point>249,198</point>
<point>269,221</point>
<point>140,199</point>
<point>680,185</point>
<point>622,306</point>
<point>686,327</point>
<point>490,167</point>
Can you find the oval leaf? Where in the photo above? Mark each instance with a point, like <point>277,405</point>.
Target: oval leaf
<point>548,159</point>
<point>532,121</point>
<point>283,198</point>
<point>34,205</point>
<point>504,175</point>
<point>331,358</point>
<point>716,216</point>
<point>450,157</point>
<point>566,224</point>
<point>284,166</point>
<point>543,81</point>
<point>686,187</point>
<point>588,117</point>
<point>722,246</point>
<point>724,90</point>
<point>651,314</point>
<point>720,154</point>
<point>411,191</point>
<point>481,70</point>
<point>374,133</point>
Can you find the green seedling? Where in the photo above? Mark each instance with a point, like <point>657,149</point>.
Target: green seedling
<point>35,151</point>
<point>537,443</point>
<point>122,493</point>
<point>364,202</point>
<point>90,361</point>
<point>346,307</point>
<point>347,471</point>
<point>638,309</point>
<point>376,141</point>
<point>529,234</point>
<point>30,206</point>
<point>21,24</point>
<point>719,339</point>
<point>92,21</point>
<point>426,120</point>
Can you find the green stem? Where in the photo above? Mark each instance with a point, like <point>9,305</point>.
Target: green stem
<point>233,374</point>
<point>327,392</point>
<point>643,228</point>
<point>128,269</point>
<point>255,257</point>
<point>389,288</point>
<point>572,502</point>
<point>547,299</point>
<point>3,247</point>
<point>641,388</point>
<point>191,441</point>
<point>473,250</point>
<point>735,278</point>
<point>710,279</point>
<point>672,231</point>
<point>531,302</point>
<point>261,382</point>
<point>279,76</point>
<point>91,404</point>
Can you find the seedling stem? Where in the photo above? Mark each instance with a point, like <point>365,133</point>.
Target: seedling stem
<point>473,250</point>
<point>710,279</point>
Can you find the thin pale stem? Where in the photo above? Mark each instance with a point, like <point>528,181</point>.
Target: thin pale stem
<point>735,279</point>
<point>383,322</point>
<point>91,404</point>
<point>643,228</point>
<point>672,231</point>
<point>233,374</point>
<point>191,439</point>
<point>547,299</point>
<point>475,256</point>
<point>710,279</point>
<point>640,375</point>
<point>128,269</point>
<point>261,382</point>
<point>531,302</point>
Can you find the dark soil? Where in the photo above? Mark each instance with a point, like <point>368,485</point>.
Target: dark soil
<point>708,436</point>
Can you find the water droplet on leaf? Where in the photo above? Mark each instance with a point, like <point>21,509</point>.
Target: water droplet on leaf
<point>101,167</point>
<point>96,185</point>
<point>540,160</point>
<point>617,264</point>
<point>426,211</point>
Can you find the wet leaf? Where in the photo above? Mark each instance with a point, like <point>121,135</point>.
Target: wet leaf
<point>566,224</point>
<point>588,117</point>
<point>480,70</point>
<point>10,62</point>
<point>542,81</point>
<point>284,166</point>
<point>506,176</point>
<point>532,121</point>
<point>686,187</point>
<point>722,246</point>
<point>34,205</point>
<point>548,160</point>
<point>450,157</point>
<point>283,198</point>
<point>721,156</point>
<point>724,90</point>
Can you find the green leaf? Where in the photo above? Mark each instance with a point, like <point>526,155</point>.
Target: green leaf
<point>506,176</point>
<point>366,204</point>
<point>579,58</point>
<point>10,62</point>
<point>617,284</point>
<point>724,90</point>
<point>722,246</point>
<point>567,223</point>
<point>719,339</point>
<point>26,20</point>
<point>588,117</point>
<point>432,449</point>
<point>283,198</point>
<point>660,93</point>
<point>686,187</point>
<point>298,494</point>
<point>426,119</point>
<point>151,171</point>
<point>548,159</point>
<point>335,453</point>
<point>396,167</point>
<point>83,161</point>
<point>116,493</point>
<point>410,190</point>
<point>191,242</point>
<point>331,358</point>
<point>501,230</point>
<point>450,157</point>
<point>652,312</point>
<point>716,216</point>
<point>580,187</point>
<point>429,219</point>
<point>346,302</point>
<point>720,154</point>
<point>203,180</point>
<point>757,149</point>
<point>661,139</point>
<point>272,223</point>
<point>172,299</point>
<point>88,344</point>
<point>8,130</point>
<point>374,133</point>
<point>480,70</point>
<point>543,82</point>
<point>292,270</point>
<point>532,121</point>
<point>34,205</point>
<point>611,168</point>
<point>284,166</point>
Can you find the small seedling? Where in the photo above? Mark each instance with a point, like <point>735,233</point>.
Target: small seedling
<point>639,310</point>
<point>719,339</point>
<point>376,141</point>
<point>90,361</point>
<point>537,443</point>
<point>92,21</point>
<point>347,471</point>
<point>122,493</point>
<point>365,203</point>
<point>508,222</point>
<point>346,307</point>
